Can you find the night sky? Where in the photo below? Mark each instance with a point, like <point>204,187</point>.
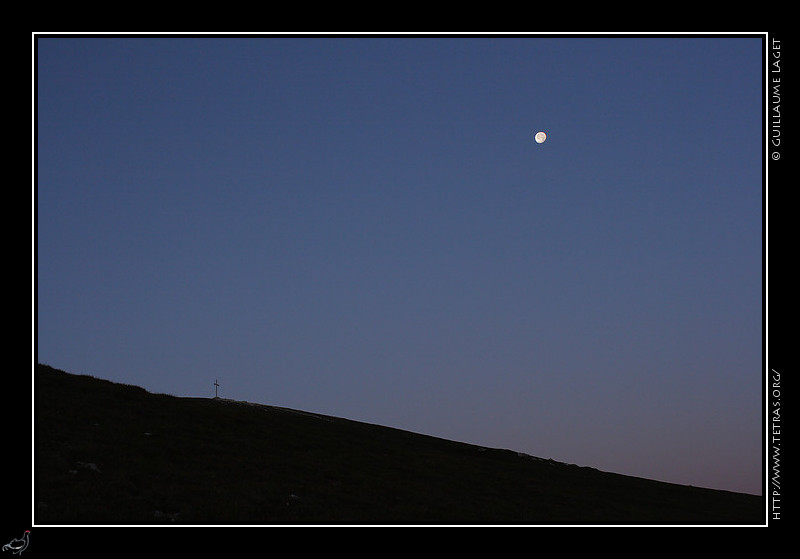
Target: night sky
<point>365,227</point>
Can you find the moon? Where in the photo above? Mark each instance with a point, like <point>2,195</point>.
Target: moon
<point>540,137</point>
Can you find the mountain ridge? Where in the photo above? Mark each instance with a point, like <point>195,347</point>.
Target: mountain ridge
<point>109,453</point>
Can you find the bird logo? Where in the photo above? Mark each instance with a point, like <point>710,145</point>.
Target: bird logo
<point>17,546</point>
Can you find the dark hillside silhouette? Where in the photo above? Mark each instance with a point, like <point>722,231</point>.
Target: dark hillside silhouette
<point>108,453</point>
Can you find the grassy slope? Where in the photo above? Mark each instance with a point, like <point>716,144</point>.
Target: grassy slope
<point>108,453</point>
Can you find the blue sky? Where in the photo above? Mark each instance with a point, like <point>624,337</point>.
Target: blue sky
<point>364,227</point>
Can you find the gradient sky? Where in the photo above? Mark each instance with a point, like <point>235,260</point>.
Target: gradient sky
<point>364,227</point>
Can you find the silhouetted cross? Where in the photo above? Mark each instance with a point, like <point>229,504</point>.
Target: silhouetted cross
<point>216,389</point>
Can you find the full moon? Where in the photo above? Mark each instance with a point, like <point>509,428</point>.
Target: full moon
<point>540,137</point>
